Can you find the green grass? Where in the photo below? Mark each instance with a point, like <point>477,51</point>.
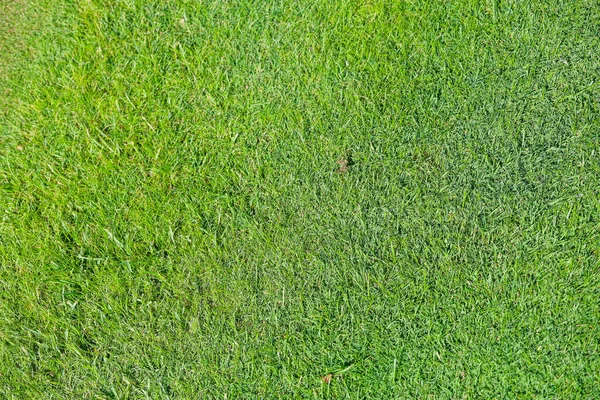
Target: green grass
<point>178,220</point>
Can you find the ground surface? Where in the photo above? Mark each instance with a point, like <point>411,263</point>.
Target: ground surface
<point>298,199</point>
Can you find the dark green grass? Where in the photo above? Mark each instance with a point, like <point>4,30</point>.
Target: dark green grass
<point>175,222</point>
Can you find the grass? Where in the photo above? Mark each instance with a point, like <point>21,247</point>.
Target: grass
<point>298,199</point>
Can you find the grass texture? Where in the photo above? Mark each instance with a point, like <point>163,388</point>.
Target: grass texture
<point>299,199</point>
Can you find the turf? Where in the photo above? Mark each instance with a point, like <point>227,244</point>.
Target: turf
<point>298,199</point>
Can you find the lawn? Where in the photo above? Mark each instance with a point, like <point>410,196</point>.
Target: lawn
<point>299,199</point>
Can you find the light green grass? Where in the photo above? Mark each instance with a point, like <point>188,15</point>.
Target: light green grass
<point>175,223</point>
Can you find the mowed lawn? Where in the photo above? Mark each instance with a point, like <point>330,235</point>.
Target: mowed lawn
<point>299,199</point>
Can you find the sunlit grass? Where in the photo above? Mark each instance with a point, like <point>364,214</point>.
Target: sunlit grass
<point>297,199</point>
